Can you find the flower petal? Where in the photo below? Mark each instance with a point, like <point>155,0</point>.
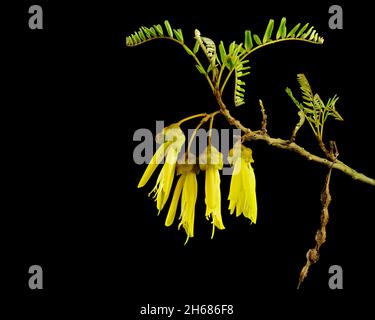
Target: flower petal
<point>155,161</point>
<point>216,213</point>
<point>210,190</point>
<point>164,187</point>
<point>176,197</point>
<point>235,185</point>
<point>189,197</point>
<point>253,198</point>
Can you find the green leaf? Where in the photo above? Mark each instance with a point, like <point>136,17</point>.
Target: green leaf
<point>169,28</point>
<point>178,34</point>
<point>290,94</point>
<point>238,101</point>
<point>200,69</point>
<point>293,31</point>
<point>268,34</point>
<point>229,62</point>
<point>159,29</point>
<point>337,116</point>
<point>311,38</point>
<point>242,74</point>
<point>153,32</point>
<point>232,46</point>
<point>141,35</point>
<point>147,32</point>
<point>134,39</point>
<point>223,53</point>
<point>257,39</point>
<point>137,39</point>
<point>129,41</point>
<point>248,40</point>
<point>188,50</point>
<point>305,35</point>
<point>243,63</point>
<point>307,93</point>
<point>239,88</point>
<point>237,49</point>
<point>281,32</point>
<point>156,31</point>
<point>196,47</point>
<point>302,30</point>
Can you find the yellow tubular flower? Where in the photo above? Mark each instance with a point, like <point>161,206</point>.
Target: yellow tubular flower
<point>173,140</point>
<point>211,161</point>
<point>242,194</point>
<point>155,161</point>
<point>187,185</point>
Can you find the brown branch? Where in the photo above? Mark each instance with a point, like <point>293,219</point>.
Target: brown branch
<point>312,255</point>
<point>324,149</point>
<point>264,117</point>
<point>288,145</point>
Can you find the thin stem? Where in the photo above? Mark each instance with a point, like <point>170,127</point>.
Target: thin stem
<point>203,121</point>
<point>200,64</point>
<point>187,49</point>
<point>220,75</point>
<point>225,81</point>
<point>200,115</point>
<point>211,125</point>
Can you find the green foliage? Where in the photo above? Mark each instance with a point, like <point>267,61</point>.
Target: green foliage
<point>200,69</point>
<point>227,61</point>
<point>281,32</point>
<point>239,91</point>
<point>291,33</point>
<point>313,108</point>
<point>257,40</point>
<point>145,34</point>
<point>248,40</point>
<point>233,62</point>
<point>223,53</point>
<point>296,33</point>
<point>268,33</point>
<point>196,47</point>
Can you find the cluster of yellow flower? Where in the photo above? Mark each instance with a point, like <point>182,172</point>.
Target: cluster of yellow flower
<point>242,194</point>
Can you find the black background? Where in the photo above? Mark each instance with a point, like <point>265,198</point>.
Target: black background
<point>77,95</point>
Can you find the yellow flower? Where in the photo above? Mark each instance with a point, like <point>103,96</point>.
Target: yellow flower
<point>173,139</point>
<point>211,161</point>
<point>187,185</point>
<point>242,195</point>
